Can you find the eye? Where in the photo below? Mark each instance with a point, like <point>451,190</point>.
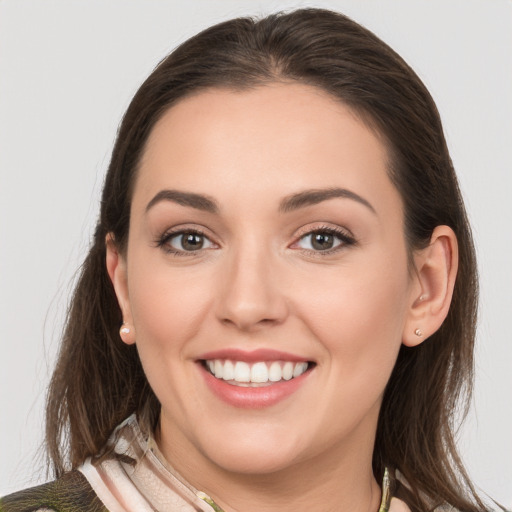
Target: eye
<point>324,240</point>
<point>186,241</point>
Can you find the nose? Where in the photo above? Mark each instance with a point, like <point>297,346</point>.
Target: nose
<point>251,294</point>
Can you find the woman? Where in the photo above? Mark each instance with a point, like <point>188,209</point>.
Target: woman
<point>278,310</point>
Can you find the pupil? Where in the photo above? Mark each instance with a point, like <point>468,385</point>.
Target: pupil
<point>192,242</point>
<point>322,241</point>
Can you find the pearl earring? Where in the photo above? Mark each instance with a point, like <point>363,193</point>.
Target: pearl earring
<point>418,332</point>
<point>124,330</point>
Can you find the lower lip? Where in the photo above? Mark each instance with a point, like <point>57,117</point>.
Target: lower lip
<point>249,397</point>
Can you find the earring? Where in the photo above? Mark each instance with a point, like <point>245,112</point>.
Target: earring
<point>124,330</point>
<point>418,332</point>
<point>127,334</point>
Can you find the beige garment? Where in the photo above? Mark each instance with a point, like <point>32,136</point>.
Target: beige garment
<point>135,478</point>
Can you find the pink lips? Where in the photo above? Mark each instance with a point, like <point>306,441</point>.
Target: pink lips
<point>261,354</point>
<point>251,397</point>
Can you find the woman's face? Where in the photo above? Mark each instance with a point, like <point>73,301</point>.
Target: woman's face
<point>266,241</point>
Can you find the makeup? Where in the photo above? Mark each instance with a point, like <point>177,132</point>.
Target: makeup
<point>255,379</point>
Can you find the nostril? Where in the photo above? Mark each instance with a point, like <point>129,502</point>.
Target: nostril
<point>249,324</point>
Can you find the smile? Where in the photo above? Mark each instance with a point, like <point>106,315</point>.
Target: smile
<point>254,379</point>
<point>259,373</point>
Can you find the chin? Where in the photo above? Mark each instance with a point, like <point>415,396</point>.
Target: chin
<point>256,462</point>
<point>258,454</point>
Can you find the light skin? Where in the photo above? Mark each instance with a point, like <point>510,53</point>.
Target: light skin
<point>273,165</point>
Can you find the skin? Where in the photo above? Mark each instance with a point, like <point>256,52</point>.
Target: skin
<point>258,283</point>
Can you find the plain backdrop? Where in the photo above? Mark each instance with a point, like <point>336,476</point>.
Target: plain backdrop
<point>67,72</point>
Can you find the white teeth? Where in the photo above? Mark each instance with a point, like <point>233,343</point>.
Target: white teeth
<point>287,370</point>
<point>218,369</point>
<point>275,374</point>
<point>228,373</point>
<point>299,369</point>
<point>242,372</point>
<point>258,373</point>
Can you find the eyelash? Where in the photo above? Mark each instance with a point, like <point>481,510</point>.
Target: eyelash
<point>163,242</point>
<point>342,235</point>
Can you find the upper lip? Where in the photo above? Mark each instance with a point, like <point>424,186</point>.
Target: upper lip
<point>251,356</point>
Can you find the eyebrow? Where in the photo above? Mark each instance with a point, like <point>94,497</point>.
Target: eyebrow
<point>197,201</point>
<point>316,196</point>
<point>288,204</point>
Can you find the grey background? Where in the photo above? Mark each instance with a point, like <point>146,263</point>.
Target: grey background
<point>67,72</point>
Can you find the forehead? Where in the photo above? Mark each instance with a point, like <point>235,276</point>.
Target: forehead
<point>274,138</point>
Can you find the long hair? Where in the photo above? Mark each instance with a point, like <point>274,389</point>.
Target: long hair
<point>98,380</point>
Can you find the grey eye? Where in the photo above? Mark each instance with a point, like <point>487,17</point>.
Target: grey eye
<point>189,241</point>
<point>319,241</point>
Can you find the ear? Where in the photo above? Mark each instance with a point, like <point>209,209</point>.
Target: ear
<point>116,268</point>
<point>435,273</point>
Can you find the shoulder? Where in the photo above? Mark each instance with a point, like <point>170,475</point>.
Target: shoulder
<point>70,493</point>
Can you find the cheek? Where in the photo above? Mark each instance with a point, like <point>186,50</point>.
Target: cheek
<point>168,309</point>
<point>358,314</point>
<point>167,305</point>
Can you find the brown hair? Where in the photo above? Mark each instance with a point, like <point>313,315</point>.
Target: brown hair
<point>98,380</point>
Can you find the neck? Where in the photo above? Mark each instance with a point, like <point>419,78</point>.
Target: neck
<point>300,489</point>
<point>341,479</point>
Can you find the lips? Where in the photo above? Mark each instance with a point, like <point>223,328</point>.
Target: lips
<point>256,379</point>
